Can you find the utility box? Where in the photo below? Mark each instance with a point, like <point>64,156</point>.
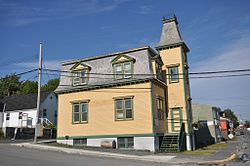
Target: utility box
<point>39,130</point>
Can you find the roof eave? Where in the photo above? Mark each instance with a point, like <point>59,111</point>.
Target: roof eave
<point>183,44</point>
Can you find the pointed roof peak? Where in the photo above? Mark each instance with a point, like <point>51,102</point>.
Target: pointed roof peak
<point>170,19</point>
<point>170,34</point>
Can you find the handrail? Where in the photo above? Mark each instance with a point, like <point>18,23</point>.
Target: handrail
<point>46,121</point>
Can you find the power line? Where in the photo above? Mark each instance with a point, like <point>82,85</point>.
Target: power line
<point>190,73</point>
<point>194,77</point>
<point>19,74</point>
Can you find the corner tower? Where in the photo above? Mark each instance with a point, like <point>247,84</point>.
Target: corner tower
<point>173,52</point>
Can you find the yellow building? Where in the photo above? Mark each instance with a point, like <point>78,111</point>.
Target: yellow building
<point>134,98</point>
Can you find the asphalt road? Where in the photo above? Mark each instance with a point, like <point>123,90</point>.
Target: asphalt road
<point>20,156</point>
<point>246,151</point>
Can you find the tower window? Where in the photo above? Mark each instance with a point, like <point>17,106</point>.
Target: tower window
<point>173,74</point>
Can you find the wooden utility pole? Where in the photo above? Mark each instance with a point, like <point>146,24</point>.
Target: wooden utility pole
<point>38,94</point>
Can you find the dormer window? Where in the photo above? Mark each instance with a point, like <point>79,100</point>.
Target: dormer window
<point>123,66</point>
<point>123,70</point>
<point>80,74</point>
<point>80,77</point>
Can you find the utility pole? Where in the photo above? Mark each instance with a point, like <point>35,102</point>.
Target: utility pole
<point>38,94</point>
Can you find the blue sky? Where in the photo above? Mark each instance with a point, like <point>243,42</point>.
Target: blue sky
<point>217,33</point>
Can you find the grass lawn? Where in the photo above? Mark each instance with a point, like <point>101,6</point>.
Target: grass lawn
<point>208,150</point>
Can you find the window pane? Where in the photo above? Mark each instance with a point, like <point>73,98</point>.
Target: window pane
<point>118,68</point>
<point>84,112</point>
<point>118,71</point>
<point>127,66</point>
<point>76,117</point>
<point>119,114</point>
<point>130,142</point>
<point>127,70</point>
<point>76,108</point>
<point>129,113</point>
<point>173,71</point>
<point>118,104</point>
<point>128,103</point>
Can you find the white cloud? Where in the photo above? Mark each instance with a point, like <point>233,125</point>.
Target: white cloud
<point>19,14</point>
<point>230,92</point>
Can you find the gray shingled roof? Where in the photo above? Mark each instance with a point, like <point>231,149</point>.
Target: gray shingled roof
<point>103,64</point>
<point>21,102</point>
<point>170,33</point>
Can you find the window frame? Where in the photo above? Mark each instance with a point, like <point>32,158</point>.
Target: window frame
<point>20,115</point>
<point>158,70</point>
<point>80,113</point>
<point>170,75</point>
<point>124,109</point>
<point>77,74</point>
<point>7,116</point>
<point>123,74</point>
<point>126,141</point>
<point>160,107</point>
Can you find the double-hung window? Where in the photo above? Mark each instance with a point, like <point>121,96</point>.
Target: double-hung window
<point>80,77</point>
<point>20,115</point>
<point>123,70</point>
<point>173,74</point>
<point>80,112</point>
<point>158,70</point>
<point>124,109</point>
<point>160,108</point>
<point>8,116</point>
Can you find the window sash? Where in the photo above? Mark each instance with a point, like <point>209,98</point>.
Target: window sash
<point>160,108</point>
<point>123,70</point>
<point>8,116</point>
<point>80,112</point>
<point>173,74</point>
<point>125,109</point>
<point>80,77</point>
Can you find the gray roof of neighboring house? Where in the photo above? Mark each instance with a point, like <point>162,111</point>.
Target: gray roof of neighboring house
<point>202,112</point>
<point>21,102</point>
<point>143,57</point>
<point>170,34</point>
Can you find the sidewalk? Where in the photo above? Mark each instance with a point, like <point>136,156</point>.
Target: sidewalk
<point>174,158</point>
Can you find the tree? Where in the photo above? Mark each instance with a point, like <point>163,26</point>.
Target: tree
<point>28,87</point>
<point>10,84</point>
<point>230,115</point>
<point>51,85</point>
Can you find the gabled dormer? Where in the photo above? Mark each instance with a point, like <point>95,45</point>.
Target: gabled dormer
<point>123,66</point>
<point>80,74</point>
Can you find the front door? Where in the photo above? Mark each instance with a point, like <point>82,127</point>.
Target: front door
<point>176,118</point>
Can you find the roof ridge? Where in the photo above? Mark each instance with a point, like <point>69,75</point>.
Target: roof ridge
<point>109,54</point>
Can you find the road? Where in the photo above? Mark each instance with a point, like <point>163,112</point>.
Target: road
<point>15,156</point>
<point>246,150</point>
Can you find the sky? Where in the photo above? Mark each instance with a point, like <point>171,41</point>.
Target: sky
<point>216,32</point>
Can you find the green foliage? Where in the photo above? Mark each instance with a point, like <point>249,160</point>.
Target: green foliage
<point>50,126</point>
<point>9,85</point>
<point>230,115</point>
<point>247,123</point>
<point>28,87</point>
<point>51,85</point>
<point>1,134</point>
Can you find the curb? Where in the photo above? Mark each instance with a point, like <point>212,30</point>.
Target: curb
<point>230,158</point>
<point>148,158</point>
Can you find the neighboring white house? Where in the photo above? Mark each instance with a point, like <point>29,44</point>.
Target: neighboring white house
<point>20,110</point>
